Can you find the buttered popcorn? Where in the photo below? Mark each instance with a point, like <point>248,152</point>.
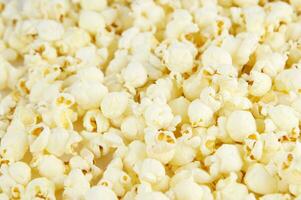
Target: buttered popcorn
<point>150,99</point>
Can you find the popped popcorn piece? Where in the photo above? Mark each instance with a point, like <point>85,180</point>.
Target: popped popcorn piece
<point>178,58</point>
<point>98,192</point>
<point>226,159</point>
<point>199,113</point>
<point>91,21</point>
<point>240,124</point>
<point>284,117</point>
<point>259,180</point>
<point>114,104</point>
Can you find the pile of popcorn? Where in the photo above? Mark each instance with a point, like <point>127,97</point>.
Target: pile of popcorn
<point>150,99</point>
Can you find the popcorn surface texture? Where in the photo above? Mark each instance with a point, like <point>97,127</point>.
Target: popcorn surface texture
<point>150,99</point>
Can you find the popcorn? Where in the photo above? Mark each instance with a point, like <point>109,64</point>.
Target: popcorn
<point>50,167</point>
<point>14,145</point>
<point>40,188</point>
<point>150,170</point>
<point>114,104</point>
<point>287,80</point>
<point>50,30</point>
<point>97,192</point>
<point>245,3</point>
<point>228,188</point>
<point>134,75</point>
<point>38,138</point>
<point>193,86</point>
<point>259,180</point>
<point>158,115</point>
<point>180,24</point>
<point>284,117</point>
<point>76,185</point>
<point>240,124</point>
<point>179,106</point>
<point>187,189</point>
<point>226,159</point>
<point>176,63</point>
<point>215,57</point>
<point>132,127</point>
<point>84,91</point>
<point>91,21</point>
<point>94,121</point>
<point>62,141</point>
<point>151,195</point>
<point>20,172</point>
<point>199,113</point>
<point>3,77</point>
<point>262,83</point>
<point>93,5</point>
<point>132,100</point>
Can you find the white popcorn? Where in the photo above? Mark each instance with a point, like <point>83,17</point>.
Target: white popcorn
<point>162,89</point>
<point>180,25</point>
<point>73,39</point>
<point>94,5</point>
<point>76,185</point>
<point>132,127</point>
<point>62,141</point>
<point>178,58</point>
<point>228,189</point>
<point>89,74</point>
<point>184,154</point>
<point>38,138</point>
<point>284,117</point>
<point>158,115</point>
<point>179,106</point>
<point>88,94</point>
<point>278,12</point>
<point>20,172</point>
<point>50,166</point>
<point>91,56</point>
<point>136,153</point>
<point>94,121</point>
<point>259,180</point>
<point>14,145</point>
<point>275,197</point>
<point>226,159</point>
<point>288,80</point>
<point>193,86</point>
<point>50,30</point>
<point>40,188</point>
<point>147,14</point>
<point>240,124</point>
<point>151,196</point>
<point>114,104</point>
<point>254,17</point>
<point>160,145</point>
<point>215,57</point>
<point>187,189</point>
<point>150,170</point>
<point>199,113</point>
<point>98,192</point>
<point>134,75</point>
<point>262,83</point>
<point>91,21</point>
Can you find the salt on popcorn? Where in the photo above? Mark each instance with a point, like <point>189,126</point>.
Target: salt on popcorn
<point>141,100</point>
